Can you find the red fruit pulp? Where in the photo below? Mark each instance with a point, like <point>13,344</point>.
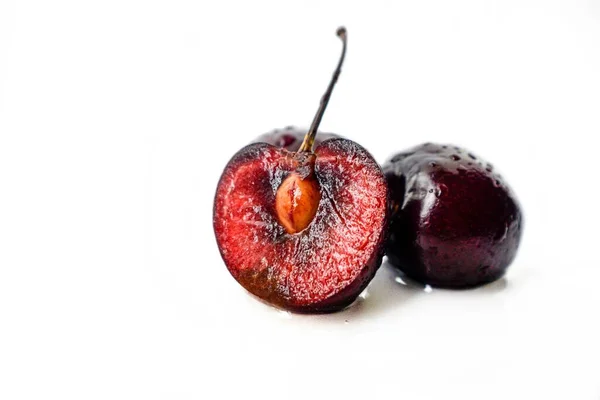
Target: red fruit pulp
<point>325,266</point>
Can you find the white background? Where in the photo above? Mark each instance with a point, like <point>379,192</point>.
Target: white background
<point>117,117</point>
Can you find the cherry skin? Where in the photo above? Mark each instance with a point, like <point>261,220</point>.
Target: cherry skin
<point>291,137</point>
<point>454,222</point>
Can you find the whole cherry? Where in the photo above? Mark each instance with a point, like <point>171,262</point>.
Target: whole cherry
<point>454,221</point>
<point>292,137</point>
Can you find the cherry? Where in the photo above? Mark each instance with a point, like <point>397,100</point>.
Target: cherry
<point>291,137</point>
<point>303,230</point>
<point>454,221</point>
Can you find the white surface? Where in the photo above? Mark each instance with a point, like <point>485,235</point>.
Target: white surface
<point>117,117</point>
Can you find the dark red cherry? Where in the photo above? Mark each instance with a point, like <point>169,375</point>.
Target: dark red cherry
<point>454,221</point>
<point>291,137</point>
<point>303,230</point>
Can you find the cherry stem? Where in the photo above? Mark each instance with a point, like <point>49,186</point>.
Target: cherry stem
<point>309,139</point>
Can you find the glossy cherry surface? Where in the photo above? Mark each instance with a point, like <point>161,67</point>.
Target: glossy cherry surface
<point>454,221</point>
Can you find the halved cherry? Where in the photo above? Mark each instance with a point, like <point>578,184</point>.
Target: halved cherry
<point>303,230</point>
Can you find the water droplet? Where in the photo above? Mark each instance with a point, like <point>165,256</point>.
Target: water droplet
<point>455,157</point>
<point>472,156</point>
<point>399,280</point>
<point>433,164</point>
<point>428,289</point>
<point>285,314</point>
<point>501,234</point>
<point>442,189</point>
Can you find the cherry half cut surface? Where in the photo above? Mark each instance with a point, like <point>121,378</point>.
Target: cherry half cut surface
<point>454,222</point>
<point>303,230</point>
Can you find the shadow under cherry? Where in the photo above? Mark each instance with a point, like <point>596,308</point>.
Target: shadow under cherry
<point>391,290</point>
